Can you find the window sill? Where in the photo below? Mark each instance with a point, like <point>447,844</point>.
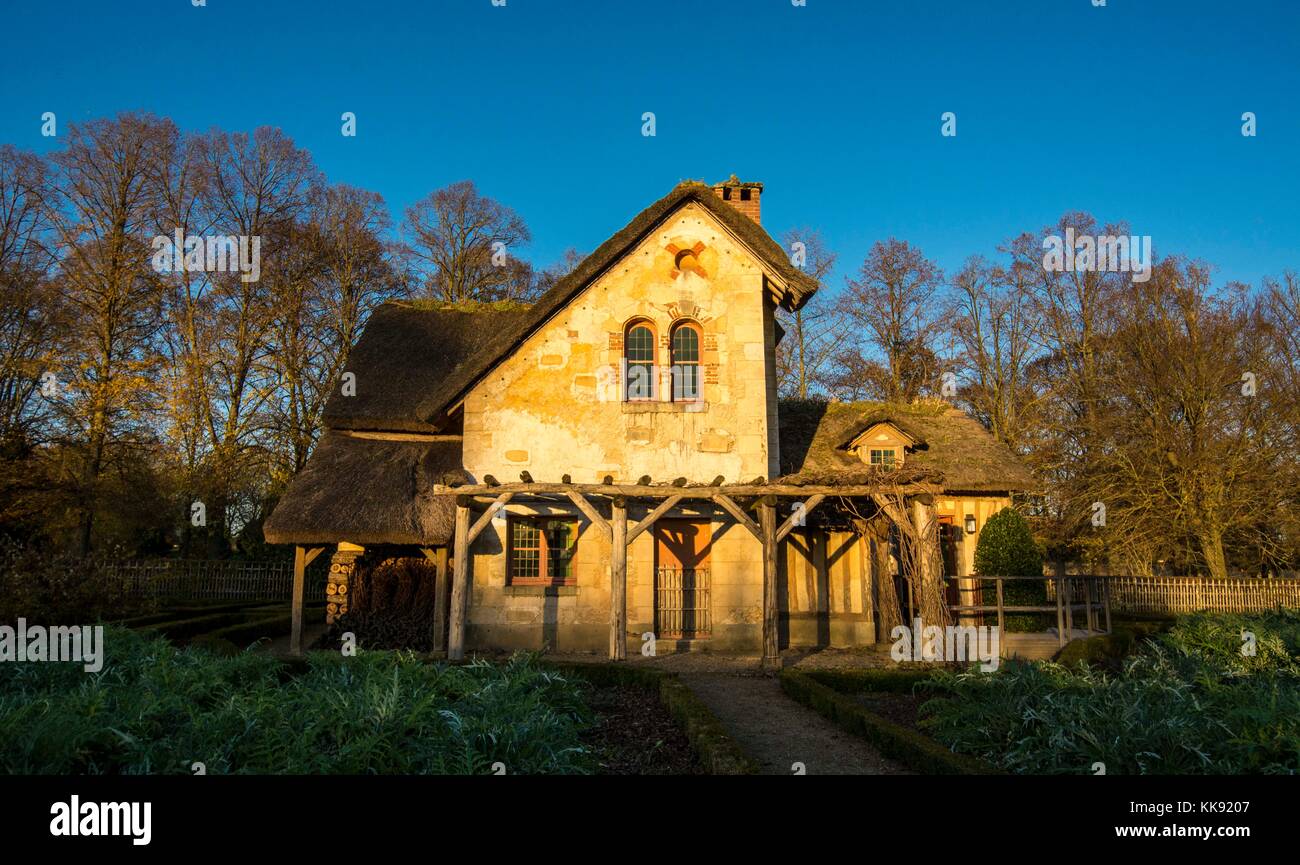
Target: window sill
<point>540,590</point>
<point>652,406</point>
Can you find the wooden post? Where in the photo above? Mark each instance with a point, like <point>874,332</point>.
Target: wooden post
<point>1069,607</point>
<point>302,557</point>
<point>618,581</point>
<point>299,587</point>
<point>767,522</point>
<point>1089,613</point>
<point>1001,625</point>
<point>1060,611</point>
<point>1105,594</point>
<point>440,600</point>
<point>459,586</point>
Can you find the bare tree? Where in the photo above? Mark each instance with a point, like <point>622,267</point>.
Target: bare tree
<point>992,321</point>
<point>814,332</point>
<point>893,303</point>
<point>460,246</point>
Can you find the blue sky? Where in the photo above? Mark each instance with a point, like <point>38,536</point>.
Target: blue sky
<point>1130,111</point>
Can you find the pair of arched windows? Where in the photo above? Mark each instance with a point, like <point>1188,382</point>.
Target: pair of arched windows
<point>639,362</point>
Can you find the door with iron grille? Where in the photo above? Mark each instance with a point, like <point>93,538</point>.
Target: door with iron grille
<point>683,600</point>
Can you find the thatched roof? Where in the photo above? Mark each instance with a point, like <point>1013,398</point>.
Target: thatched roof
<point>413,365</point>
<point>407,358</point>
<point>952,447</point>
<point>370,491</point>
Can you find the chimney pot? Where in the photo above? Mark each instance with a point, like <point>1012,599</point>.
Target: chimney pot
<point>745,196</point>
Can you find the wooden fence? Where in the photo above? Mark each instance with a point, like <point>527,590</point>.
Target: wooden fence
<point>214,579</point>
<point>1189,594</point>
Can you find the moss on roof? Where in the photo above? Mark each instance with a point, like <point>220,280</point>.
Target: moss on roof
<point>953,447</point>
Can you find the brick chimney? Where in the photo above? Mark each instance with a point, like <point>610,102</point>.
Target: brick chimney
<point>745,197</point>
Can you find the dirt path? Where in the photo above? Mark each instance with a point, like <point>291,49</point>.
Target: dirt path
<point>778,732</point>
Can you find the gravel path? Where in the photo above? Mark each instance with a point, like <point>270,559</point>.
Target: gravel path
<point>778,732</point>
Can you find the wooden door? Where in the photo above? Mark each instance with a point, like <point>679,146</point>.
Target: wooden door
<point>683,606</point>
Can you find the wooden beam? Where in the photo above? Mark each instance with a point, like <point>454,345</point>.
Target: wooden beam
<point>649,520</point>
<point>590,512</point>
<point>634,491</point>
<point>737,514</point>
<point>771,650</point>
<point>486,517</point>
<point>439,558</point>
<point>302,557</point>
<point>618,582</point>
<point>799,510</point>
<point>459,587</point>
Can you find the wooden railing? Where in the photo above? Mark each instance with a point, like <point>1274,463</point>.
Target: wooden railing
<point>212,579</point>
<point>1189,594</point>
<point>1094,596</point>
<point>1088,596</point>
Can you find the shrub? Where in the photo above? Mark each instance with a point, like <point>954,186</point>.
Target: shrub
<point>154,708</point>
<point>1006,548</point>
<point>1187,703</point>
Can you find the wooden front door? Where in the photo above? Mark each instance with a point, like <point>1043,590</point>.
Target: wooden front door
<point>683,600</point>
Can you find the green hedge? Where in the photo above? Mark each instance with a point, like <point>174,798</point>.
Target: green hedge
<point>182,630</point>
<point>716,750</point>
<point>895,681</point>
<point>915,750</point>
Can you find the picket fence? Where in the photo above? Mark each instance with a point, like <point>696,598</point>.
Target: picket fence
<point>1189,594</point>
<point>213,579</point>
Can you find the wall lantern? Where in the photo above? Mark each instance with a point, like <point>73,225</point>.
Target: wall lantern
<point>970,524</point>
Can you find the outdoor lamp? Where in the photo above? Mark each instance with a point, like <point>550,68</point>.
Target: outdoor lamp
<point>970,524</point>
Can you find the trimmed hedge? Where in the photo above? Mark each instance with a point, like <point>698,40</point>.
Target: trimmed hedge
<point>716,750</point>
<point>909,747</point>
<point>894,681</point>
<point>180,630</point>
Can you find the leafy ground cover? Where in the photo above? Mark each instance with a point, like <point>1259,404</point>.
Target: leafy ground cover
<point>1215,694</point>
<point>156,708</point>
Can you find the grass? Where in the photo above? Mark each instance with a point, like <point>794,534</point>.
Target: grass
<point>155,708</point>
<point>1185,702</point>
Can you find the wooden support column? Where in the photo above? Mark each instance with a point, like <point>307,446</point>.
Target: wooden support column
<point>439,558</point>
<point>459,586</point>
<point>618,581</point>
<point>767,523</point>
<point>302,557</point>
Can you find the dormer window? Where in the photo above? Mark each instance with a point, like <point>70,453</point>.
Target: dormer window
<point>883,446</point>
<point>884,459</point>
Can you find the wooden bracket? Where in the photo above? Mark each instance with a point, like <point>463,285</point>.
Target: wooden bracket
<point>799,511</point>
<point>738,514</point>
<point>649,519</point>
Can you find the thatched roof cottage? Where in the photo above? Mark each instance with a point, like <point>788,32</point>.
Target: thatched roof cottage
<point>611,467</point>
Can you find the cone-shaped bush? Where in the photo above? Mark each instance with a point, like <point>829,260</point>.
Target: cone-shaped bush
<point>1006,548</point>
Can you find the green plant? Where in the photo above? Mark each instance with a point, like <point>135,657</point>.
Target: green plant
<point>1006,548</point>
<point>1187,702</point>
<point>154,708</point>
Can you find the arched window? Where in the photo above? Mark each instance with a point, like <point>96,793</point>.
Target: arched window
<point>686,362</point>
<point>639,362</point>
